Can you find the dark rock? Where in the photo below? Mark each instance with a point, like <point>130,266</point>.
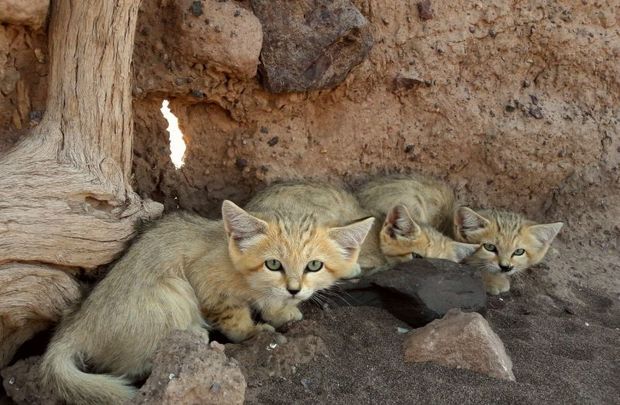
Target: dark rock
<point>273,141</point>
<point>310,44</point>
<point>420,291</point>
<point>410,80</point>
<point>409,148</point>
<point>425,10</point>
<point>264,130</point>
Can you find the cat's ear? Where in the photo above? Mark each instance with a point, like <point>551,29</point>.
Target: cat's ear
<point>351,237</point>
<point>545,233</point>
<point>244,229</point>
<point>398,222</point>
<point>468,222</point>
<point>463,250</point>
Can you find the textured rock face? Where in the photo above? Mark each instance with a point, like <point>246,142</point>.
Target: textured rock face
<point>310,44</point>
<point>460,340</point>
<point>186,370</point>
<point>420,291</point>
<point>219,33</point>
<point>514,104</point>
<point>30,12</point>
<point>22,383</point>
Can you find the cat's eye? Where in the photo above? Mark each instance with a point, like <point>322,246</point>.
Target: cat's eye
<point>490,247</point>
<point>314,265</point>
<point>274,265</point>
<point>518,252</point>
<point>416,256</point>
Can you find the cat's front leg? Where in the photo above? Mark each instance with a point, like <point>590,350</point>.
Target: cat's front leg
<point>495,284</point>
<point>236,322</point>
<point>279,313</point>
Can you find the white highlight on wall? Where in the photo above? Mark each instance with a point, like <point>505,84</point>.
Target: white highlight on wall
<point>177,144</point>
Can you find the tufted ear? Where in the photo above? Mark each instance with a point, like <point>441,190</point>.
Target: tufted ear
<point>398,222</point>
<point>545,233</point>
<point>468,222</point>
<point>463,250</point>
<point>244,229</point>
<point>351,237</point>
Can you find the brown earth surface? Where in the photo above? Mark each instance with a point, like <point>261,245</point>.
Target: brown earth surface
<point>515,104</point>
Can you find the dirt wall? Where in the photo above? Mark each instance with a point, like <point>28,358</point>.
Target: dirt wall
<point>516,104</point>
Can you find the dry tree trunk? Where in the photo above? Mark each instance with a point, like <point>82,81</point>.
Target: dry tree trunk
<point>65,194</point>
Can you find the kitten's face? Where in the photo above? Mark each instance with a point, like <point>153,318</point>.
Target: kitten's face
<point>402,239</point>
<point>290,259</point>
<point>509,243</point>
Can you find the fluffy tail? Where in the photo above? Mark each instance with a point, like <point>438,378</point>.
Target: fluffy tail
<point>60,373</point>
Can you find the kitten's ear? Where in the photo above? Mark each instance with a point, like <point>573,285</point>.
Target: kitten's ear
<point>468,222</point>
<point>241,227</point>
<point>398,222</point>
<point>351,237</point>
<point>545,233</point>
<point>463,250</point>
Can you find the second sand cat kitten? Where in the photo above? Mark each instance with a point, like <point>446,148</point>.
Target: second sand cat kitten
<point>186,269</point>
<point>417,210</point>
<point>510,243</point>
<point>395,237</point>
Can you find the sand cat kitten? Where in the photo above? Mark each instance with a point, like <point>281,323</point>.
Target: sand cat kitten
<point>392,242</point>
<point>186,269</point>
<point>510,243</point>
<point>416,210</point>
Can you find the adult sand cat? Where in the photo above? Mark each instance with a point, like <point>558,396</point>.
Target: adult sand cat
<point>416,210</point>
<point>186,269</point>
<point>510,243</point>
<point>395,240</point>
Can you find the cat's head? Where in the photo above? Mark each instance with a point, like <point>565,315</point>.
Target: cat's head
<point>291,258</point>
<point>401,239</point>
<point>509,242</point>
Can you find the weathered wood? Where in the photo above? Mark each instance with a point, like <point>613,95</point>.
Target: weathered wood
<point>33,297</point>
<point>65,193</point>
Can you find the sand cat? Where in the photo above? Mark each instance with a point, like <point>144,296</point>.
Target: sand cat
<point>416,210</point>
<point>396,239</point>
<point>183,271</point>
<point>510,243</point>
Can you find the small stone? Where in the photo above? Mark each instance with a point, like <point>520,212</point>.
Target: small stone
<point>534,99</point>
<point>198,94</point>
<point>38,53</point>
<point>241,163</point>
<point>510,107</point>
<point>409,148</point>
<point>425,10</point>
<point>215,388</point>
<point>264,130</point>
<point>472,29</point>
<point>217,346</point>
<point>402,330</point>
<point>196,8</point>
<point>237,13</point>
<point>536,112</point>
<point>273,345</point>
<point>171,376</point>
<point>306,383</point>
<point>460,340</point>
<point>11,380</point>
<point>273,141</point>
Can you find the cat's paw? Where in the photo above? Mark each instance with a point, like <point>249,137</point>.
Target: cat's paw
<point>496,284</point>
<point>283,316</point>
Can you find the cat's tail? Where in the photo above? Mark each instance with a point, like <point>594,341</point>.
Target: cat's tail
<point>60,373</point>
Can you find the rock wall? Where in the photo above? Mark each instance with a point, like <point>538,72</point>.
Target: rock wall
<point>516,104</point>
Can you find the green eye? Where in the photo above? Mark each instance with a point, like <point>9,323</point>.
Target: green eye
<point>274,265</point>
<point>314,265</point>
<point>518,252</point>
<point>490,247</point>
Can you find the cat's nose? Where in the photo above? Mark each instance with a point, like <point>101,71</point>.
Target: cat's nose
<point>505,268</point>
<point>293,291</point>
